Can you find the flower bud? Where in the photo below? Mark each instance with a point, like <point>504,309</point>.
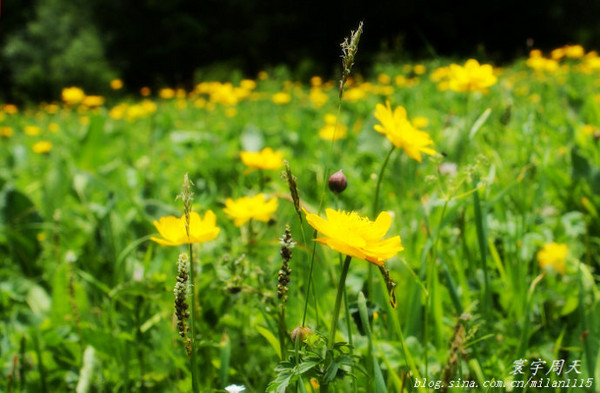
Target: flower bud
<point>596,135</point>
<point>338,182</point>
<point>301,332</point>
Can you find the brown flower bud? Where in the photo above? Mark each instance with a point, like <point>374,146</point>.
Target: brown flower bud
<point>301,332</point>
<point>338,182</point>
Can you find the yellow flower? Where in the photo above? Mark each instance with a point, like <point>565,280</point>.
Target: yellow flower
<point>32,130</point>
<point>11,109</point>
<point>281,98</point>
<point>265,159</point>
<point>401,132</point>
<point>145,91</point>
<point>419,69</point>
<point>553,255</point>
<point>53,127</point>
<point>420,122</point>
<point>248,84</point>
<point>356,236</point>
<point>574,51</point>
<point>172,229</point>
<point>384,79</point>
<point>166,93</point>
<point>6,132</point>
<point>42,147</point>
<point>245,209</point>
<point>471,77</point>
<point>540,63</point>
<point>116,84</point>
<point>317,97</point>
<point>355,94</point>
<point>330,132</point>
<point>72,95</point>
<point>93,101</point>
<point>558,53</point>
<point>316,81</point>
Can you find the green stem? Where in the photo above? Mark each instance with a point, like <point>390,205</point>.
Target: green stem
<point>381,172</point>
<point>336,312</point>
<point>338,302</point>
<point>195,387</point>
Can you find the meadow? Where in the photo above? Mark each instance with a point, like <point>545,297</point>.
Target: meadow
<point>470,257</point>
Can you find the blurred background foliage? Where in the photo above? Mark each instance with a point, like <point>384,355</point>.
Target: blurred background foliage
<point>46,45</point>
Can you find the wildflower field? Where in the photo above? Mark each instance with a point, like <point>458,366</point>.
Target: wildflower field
<point>207,241</point>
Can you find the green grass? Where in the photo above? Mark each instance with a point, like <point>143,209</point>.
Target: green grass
<point>86,300</point>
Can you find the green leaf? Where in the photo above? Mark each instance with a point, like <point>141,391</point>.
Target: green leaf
<point>580,166</point>
<point>270,337</point>
<point>479,122</point>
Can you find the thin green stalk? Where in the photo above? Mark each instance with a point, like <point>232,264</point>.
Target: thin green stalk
<point>348,326</point>
<point>481,237</point>
<point>140,343</point>
<point>322,200</point>
<point>195,387</point>
<point>381,172</point>
<point>336,312</point>
<point>282,332</point>
<point>338,302</point>
<point>41,368</point>
<point>431,273</point>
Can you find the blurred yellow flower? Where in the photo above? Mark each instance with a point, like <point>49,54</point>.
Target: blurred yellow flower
<point>6,132</point>
<point>93,101</point>
<point>332,131</point>
<point>265,159</point>
<point>166,93</point>
<point>173,232</point>
<point>245,209</point>
<point>116,84</point>
<point>401,132</point>
<point>316,81</point>
<point>420,122</point>
<point>281,98</point>
<point>145,91</point>
<point>51,108</point>
<point>574,51</point>
<point>118,111</point>
<point>248,84</point>
<point>355,94</point>
<point>42,147</point>
<point>355,236</point>
<point>384,79</point>
<point>32,130</point>
<point>471,77</point>
<point>419,69</point>
<point>553,255</point>
<point>53,127</point>
<point>317,97</point>
<point>72,95</point>
<point>589,129</point>
<point>11,109</point>
<point>540,63</point>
